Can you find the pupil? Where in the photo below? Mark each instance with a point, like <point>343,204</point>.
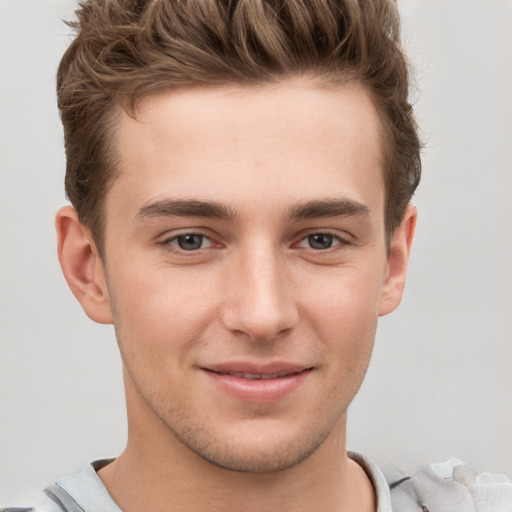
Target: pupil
<point>190,242</point>
<point>320,241</point>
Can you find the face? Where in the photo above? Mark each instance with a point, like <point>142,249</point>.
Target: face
<point>246,266</point>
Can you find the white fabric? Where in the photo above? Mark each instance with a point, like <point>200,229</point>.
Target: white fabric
<point>451,486</point>
<point>88,490</point>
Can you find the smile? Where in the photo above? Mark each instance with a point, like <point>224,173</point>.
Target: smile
<point>257,385</point>
<point>263,376</point>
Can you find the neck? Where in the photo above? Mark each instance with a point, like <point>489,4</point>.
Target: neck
<point>162,483</point>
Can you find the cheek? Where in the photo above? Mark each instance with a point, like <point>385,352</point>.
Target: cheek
<point>159,310</point>
<point>345,300</point>
<point>343,315</point>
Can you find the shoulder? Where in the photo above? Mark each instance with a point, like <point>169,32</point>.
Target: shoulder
<point>448,486</point>
<point>76,493</point>
<point>41,502</point>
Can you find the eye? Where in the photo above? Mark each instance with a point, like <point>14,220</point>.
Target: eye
<point>319,241</point>
<point>190,241</point>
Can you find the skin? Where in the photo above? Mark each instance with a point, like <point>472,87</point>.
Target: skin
<point>283,188</point>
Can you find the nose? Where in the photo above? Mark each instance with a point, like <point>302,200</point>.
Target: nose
<point>259,301</point>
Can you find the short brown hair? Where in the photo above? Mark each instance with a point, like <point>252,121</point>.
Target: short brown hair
<point>126,50</point>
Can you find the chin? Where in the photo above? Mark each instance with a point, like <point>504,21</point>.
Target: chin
<point>256,460</point>
<point>266,452</point>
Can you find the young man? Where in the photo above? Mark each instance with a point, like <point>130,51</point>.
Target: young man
<point>240,175</point>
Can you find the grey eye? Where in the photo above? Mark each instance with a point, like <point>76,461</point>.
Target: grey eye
<point>190,242</point>
<point>320,241</point>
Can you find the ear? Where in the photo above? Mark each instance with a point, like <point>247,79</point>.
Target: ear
<point>82,265</point>
<point>397,260</point>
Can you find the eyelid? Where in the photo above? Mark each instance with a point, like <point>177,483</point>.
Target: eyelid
<point>170,236</point>
<point>342,239</point>
<point>205,242</point>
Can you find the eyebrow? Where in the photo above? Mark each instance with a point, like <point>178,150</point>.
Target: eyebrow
<point>211,209</point>
<point>186,208</point>
<point>328,208</point>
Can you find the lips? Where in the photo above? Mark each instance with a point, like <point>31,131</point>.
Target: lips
<point>257,383</point>
<point>263,376</point>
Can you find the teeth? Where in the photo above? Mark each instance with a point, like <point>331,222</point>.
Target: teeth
<point>253,376</point>
<point>257,375</point>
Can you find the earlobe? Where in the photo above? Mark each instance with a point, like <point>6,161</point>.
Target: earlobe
<point>82,265</point>
<point>398,259</point>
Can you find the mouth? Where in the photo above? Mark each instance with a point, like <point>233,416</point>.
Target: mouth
<point>258,376</point>
<point>257,384</point>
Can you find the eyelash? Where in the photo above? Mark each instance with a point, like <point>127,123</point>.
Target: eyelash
<point>168,242</point>
<point>339,243</point>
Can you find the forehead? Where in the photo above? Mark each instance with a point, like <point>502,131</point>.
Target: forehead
<point>283,141</point>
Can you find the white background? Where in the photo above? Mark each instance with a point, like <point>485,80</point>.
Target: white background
<point>440,383</point>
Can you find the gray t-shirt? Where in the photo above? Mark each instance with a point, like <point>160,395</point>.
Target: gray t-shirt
<point>446,487</point>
